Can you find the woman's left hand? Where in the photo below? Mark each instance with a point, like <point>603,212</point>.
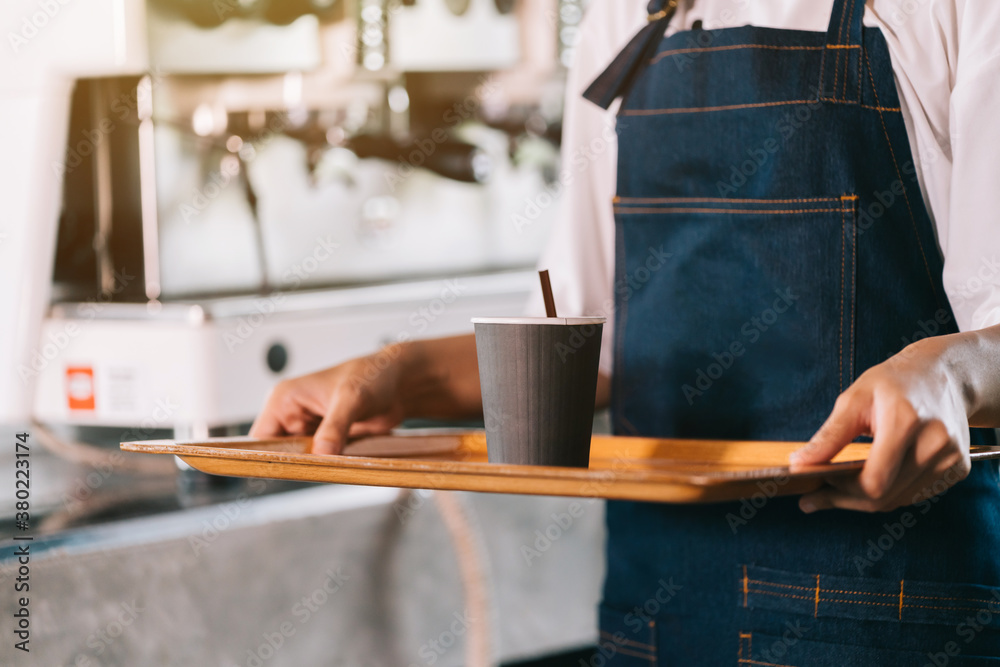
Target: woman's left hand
<point>914,409</point>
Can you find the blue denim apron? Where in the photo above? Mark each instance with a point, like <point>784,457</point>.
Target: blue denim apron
<point>774,168</point>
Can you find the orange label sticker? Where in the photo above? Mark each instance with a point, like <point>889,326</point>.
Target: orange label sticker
<point>80,387</point>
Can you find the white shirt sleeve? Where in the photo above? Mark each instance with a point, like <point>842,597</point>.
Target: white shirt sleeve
<point>580,255</point>
<point>972,244</point>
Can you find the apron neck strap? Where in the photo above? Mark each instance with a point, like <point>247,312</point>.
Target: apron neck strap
<point>615,81</point>
<point>841,65</point>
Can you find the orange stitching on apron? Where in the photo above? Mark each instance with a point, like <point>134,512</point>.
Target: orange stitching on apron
<point>838,590</point>
<point>618,376</point>
<point>635,654</point>
<point>832,590</point>
<point>840,332</point>
<point>672,211</point>
<point>653,112</point>
<point>770,583</point>
<point>616,640</point>
<point>784,595</point>
<point>854,284</point>
<point>922,606</point>
<point>866,602</point>
<point>739,650</point>
<point>859,57</point>
<point>822,72</point>
<point>847,60</point>
<point>843,17</point>
<point>840,40</point>
<point>843,46</point>
<point>836,69</point>
<point>899,175</point>
<point>850,235</point>
<point>816,608</point>
<point>935,597</point>
<point>863,106</point>
<point>819,593</point>
<point>843,23</point>
<point>732,47</point>
<point>746,588</point>
<point>847,65</point>
<point>691,200</point>
<point>828,590</point>
<point>822,64</point>
<point>901,599</point>
<point>817,599</point>
<point>836,77</point>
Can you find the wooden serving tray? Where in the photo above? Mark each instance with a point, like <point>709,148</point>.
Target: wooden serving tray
<point>648,469</point>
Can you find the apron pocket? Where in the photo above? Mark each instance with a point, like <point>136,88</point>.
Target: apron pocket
<point>626,639</point>
<point>737,315</point>
<point>761,649</point>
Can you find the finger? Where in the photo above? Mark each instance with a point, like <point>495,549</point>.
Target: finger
<point>922,488</point>
<point>845,483</point>
<point>299,423</point>
<point>268,422</point>
<point>850,487</point>
<point>830,498</point>
<point>948,469</point>
<point>346,408</point>
<point>847,421</point>
<point>924,459</point>
<point>380,425</point>
<point>896,425</point>
<point>928,468</point>
<point>266,425</point>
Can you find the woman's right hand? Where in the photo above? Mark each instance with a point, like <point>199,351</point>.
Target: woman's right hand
<point>359,397</point>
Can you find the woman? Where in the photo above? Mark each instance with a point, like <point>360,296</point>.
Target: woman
<point>820,193</point>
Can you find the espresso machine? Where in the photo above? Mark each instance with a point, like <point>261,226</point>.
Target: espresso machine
<point>204,198</point>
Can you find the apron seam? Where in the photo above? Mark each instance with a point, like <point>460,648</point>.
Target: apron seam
<point>840,40</point>
<point>724,107</point>
<point>695,200</point>
<point>854,285</point>
<point>735,211</point>
<point>621,316</point>
<point>844,591</point>
<point>840,370</point>
<point>628,642</point>
<point>862,51</point>
<point>822,72</point>
<point>899,175</point>
<point>847,61</point>
<point>734,47</point>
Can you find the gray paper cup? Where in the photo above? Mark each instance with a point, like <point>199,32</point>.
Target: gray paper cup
<point>539,381</point>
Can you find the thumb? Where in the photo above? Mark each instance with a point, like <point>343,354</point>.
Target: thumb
<point>846,422</point>
<point>331,435</point>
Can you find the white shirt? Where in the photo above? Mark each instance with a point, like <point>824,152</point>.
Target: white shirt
<point>946,59</point>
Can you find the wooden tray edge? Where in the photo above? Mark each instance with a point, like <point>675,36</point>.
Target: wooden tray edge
<point>349,469</point>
